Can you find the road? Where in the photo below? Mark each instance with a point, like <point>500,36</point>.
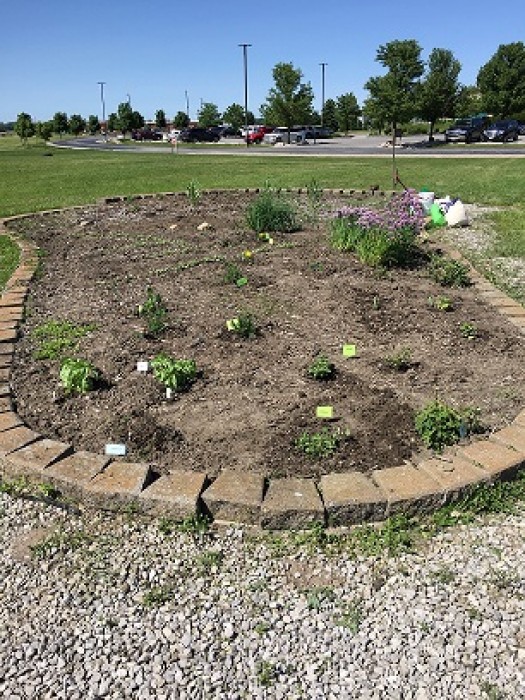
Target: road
<point>361,145</point>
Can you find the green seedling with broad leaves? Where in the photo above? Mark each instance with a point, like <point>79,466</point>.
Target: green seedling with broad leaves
<point>441,303</point>
<point>78,376</point>
<point>400,361</point>
<point>321,368</point>
<point>234,275</point>
<point>243,325</point>
<point>176,375</point>
<point>322,444</point>
<point>469,330</point>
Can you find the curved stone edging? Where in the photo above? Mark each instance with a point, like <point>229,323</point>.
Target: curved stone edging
<point>337,499</point>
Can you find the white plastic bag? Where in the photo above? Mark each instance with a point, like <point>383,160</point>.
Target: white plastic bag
<point>456,214</point>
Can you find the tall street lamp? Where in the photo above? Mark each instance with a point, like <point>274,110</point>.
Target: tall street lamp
<point>323,66</point>
<point>245,63</point>
<point>103,106</point>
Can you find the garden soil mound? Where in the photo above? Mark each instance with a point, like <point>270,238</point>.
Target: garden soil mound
<point>252,399</point>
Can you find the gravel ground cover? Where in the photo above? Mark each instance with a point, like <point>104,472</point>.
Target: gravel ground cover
<point>96,606</point>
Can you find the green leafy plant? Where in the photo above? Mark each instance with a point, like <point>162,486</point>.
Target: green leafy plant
<point>321,444</point>
<point>243,325</point>
<point>54,338</point>
<point>270,211</point>
<point>177,375</point>
<point>469,330</point>
<point>441,303</point>
<point>440,425</point>
<point>234,275</point>
<point>193,192</point>
<point>158,596</point>
<point>266,672</point>
<point>154,312</point>
<point>78,376</point>
<point>197,525</point>
<point>352,616</point>
<point>318,596</point>
<point>211,559</point>
<point>321,368</point>
<point>400,360</point>
<point>448,273</point>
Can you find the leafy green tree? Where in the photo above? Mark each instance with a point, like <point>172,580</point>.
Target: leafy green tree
<point>76,124</point>
<point>24,127</point>
<point>113,123</point>
<point>209,115</point>
<point>93,124</point>
<point>330,115</point>
<point>439,90</point>
<point>234,115</point>
<point>60,123</point>
<point>393,96</point>
<point>44,130</point>
<point>347,112</point>
<point>290,101</point>
<point>468,101</point>
<point>181,120</point>
<point>137,120</point>
<point>502,80</point>
<point>160,119</point>
<point>125,121</point>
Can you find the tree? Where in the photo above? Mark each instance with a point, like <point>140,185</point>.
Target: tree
<point>137,120</point>
<point>93,124</point>
<point>468,101</point>
<point>60,123</point>
<point>502,80</point>
<point>160,119</point>
<point>24,127</point>
<point>234,116</point>
<point>347,111</point>
<point>44,130</point>
<point>393,96</point>
<point>439,91</point>
<point>113,123</point>
<point>330,115</point>
<point>181,120</point>
<point>290,101</point>
<point>209,115</point>
<point>125,121</point>
<point>76,124</point>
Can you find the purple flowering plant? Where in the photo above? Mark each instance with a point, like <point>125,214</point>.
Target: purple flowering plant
<point>383,236</point>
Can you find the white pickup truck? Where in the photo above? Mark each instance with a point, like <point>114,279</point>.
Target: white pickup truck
<point>281,135</point>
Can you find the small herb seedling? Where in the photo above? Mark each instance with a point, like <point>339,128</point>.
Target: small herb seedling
<point>176,375</point>
<point>77,376</point>
<point>441,303</point>
<point>154,312</point>
<point>400,361</point>
<point>243,325</point>
<point>321,368</point>
<point>321,444</point>
<point>469,330</point>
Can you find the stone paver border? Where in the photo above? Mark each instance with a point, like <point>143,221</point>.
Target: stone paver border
<point>335,499</point>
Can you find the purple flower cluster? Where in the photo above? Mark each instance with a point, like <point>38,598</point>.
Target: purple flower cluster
<point>403,213</point>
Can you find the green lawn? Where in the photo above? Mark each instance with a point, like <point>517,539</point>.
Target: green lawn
<point>9,257</point>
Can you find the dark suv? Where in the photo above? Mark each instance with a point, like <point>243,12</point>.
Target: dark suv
<point>467,130</point>
<point>198,134</point>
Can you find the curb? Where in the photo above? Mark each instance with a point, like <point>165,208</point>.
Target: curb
<point>338,499</point>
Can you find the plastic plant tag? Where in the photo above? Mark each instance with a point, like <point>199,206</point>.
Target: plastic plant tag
<point>115,449</point>
<point>142,366</point>
<point>169,392</point>
<point>241,281</point>
<point>349,350</point>
<point>232,324</point>
<point>324,412</point>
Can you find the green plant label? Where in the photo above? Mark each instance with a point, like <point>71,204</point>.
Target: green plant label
<point>324,412</point>
<point>241,281</point>
<point>349,351</point>
<point>115,449</point>
<point>142,366</point>
<point>232,324</point>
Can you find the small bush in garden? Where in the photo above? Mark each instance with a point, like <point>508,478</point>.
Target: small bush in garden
<point>321,444</point>
<point>440,425</point>
<point>243,325</point>
<point>177,375</point>
<point>234,275</point>
<point>270,211</point>
<point>441,303</point>
<point>321,368</point>
<point>448,273</point>
<point>154,312</point>
<point>380,237</point>
<point>469,330</point>
<point>400,361</point>
<point>55,337</point>
<point>77,376</point>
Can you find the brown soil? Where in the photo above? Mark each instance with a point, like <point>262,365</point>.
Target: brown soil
<point>252,398</point>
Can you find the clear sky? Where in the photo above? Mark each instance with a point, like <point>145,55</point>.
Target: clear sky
<point>54,53</point>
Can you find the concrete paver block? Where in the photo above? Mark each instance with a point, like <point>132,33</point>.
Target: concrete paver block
<point>5,404</point>
<point>235,496</point>
<point>15,438</point>
<point>119,484</point>
<point>408,490</point>
<point>351,497</point>
<point>520,418</point>
<point>497,460</point>
<point>71,474</point>
<point>512,436</point>
<point>291,503</point>
<point>175,495</point>
<point>8,335</point>
<point>453,474</point>
<point>34,459</point>
<point>9,420</point>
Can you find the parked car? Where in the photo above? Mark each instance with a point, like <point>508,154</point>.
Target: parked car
<point>467,130</point>
<point>256,136</point>
<point>502,130</point>
<point>197,133</point>
<point>521,128</point>
<point>146,135</point>
<point>282,135</point>
<point>230,131</point>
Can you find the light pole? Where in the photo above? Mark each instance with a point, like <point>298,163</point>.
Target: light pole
<point>129,98</point>
<point>187,105</point>
<point>323,66</point>
<point>245,64</point>
<point>101,83</point>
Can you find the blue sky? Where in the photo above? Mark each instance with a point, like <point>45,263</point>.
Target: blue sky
<point>53,53</point>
